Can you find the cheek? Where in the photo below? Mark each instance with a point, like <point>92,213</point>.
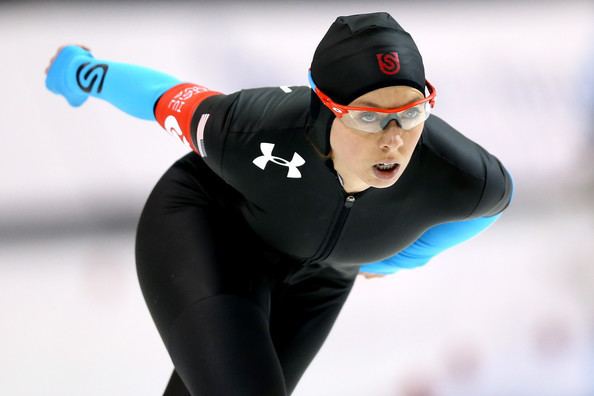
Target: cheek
<point>345,144</point>
<point>413,139</point>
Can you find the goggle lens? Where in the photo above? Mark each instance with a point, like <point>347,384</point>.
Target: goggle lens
<point>368,119</point>
<point>375,121</point>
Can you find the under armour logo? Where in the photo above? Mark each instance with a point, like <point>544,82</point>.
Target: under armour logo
<point>267,156</point>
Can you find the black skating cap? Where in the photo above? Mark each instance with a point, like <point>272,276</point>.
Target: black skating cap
<point>360,53</point>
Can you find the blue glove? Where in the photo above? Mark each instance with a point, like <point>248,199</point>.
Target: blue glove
<point>60,79</point>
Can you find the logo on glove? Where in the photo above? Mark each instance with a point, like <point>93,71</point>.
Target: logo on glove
<point>87,77</point>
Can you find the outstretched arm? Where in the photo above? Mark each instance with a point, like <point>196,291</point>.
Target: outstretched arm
<point>139,91</point>
<point>76,75</point>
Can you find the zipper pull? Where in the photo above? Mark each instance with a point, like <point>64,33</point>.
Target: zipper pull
<point>350,201</point>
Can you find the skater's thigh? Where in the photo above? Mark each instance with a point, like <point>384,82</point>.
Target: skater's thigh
<point>206,280</point>
<point>302,315</point>
<point>192,245</point>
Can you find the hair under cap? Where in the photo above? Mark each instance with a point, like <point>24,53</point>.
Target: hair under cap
<point>361,53</point>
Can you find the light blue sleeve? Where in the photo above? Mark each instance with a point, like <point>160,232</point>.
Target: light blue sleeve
<point>76,75</point>
<point>434,241</point>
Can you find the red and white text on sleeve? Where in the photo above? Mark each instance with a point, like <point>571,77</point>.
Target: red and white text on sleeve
<point>175,109</point>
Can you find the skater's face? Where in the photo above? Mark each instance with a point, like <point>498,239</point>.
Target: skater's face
<point>365,159</point>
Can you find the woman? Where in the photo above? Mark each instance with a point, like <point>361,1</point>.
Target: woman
<point>247,247</point>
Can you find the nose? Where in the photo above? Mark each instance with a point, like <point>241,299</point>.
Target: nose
<point>391,137</point>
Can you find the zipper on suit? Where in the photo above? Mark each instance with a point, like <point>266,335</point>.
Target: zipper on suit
<point>349,201</point>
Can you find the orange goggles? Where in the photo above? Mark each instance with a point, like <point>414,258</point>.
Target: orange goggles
<point>374,119</point>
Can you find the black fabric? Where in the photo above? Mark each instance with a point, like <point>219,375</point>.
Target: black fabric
<point>347,62</point>
<point>176,387</point>
<point>230,319</point>
<point>245,269</point>
<point>449,178</point>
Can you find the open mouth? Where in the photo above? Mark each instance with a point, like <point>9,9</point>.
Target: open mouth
<point>385,167</point>
<point>386,170</point>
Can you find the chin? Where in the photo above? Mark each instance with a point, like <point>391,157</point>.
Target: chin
<point>384,184</point>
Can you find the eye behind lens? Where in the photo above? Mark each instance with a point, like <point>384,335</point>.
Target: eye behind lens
<point>368,117</point>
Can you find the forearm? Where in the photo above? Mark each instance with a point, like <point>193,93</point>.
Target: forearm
<point>76,75</point>
<point>136,90</point>
<point>434,241</point>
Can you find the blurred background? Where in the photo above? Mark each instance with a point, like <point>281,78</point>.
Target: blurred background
<point>510,312</point>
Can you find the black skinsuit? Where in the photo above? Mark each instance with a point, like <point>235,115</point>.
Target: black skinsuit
<point>245,269</point>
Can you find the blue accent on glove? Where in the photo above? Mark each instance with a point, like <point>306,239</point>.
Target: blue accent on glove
<point>58,80</point>
<point>434,241</point>
<point>76,75</point>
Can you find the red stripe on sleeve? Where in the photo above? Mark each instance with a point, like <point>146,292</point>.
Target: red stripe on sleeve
<point>176,107</point>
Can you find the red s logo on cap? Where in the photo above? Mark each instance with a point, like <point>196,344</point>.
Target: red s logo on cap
<point>389,63</point>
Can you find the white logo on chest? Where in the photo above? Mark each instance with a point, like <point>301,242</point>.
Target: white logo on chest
<point>267,156</point>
